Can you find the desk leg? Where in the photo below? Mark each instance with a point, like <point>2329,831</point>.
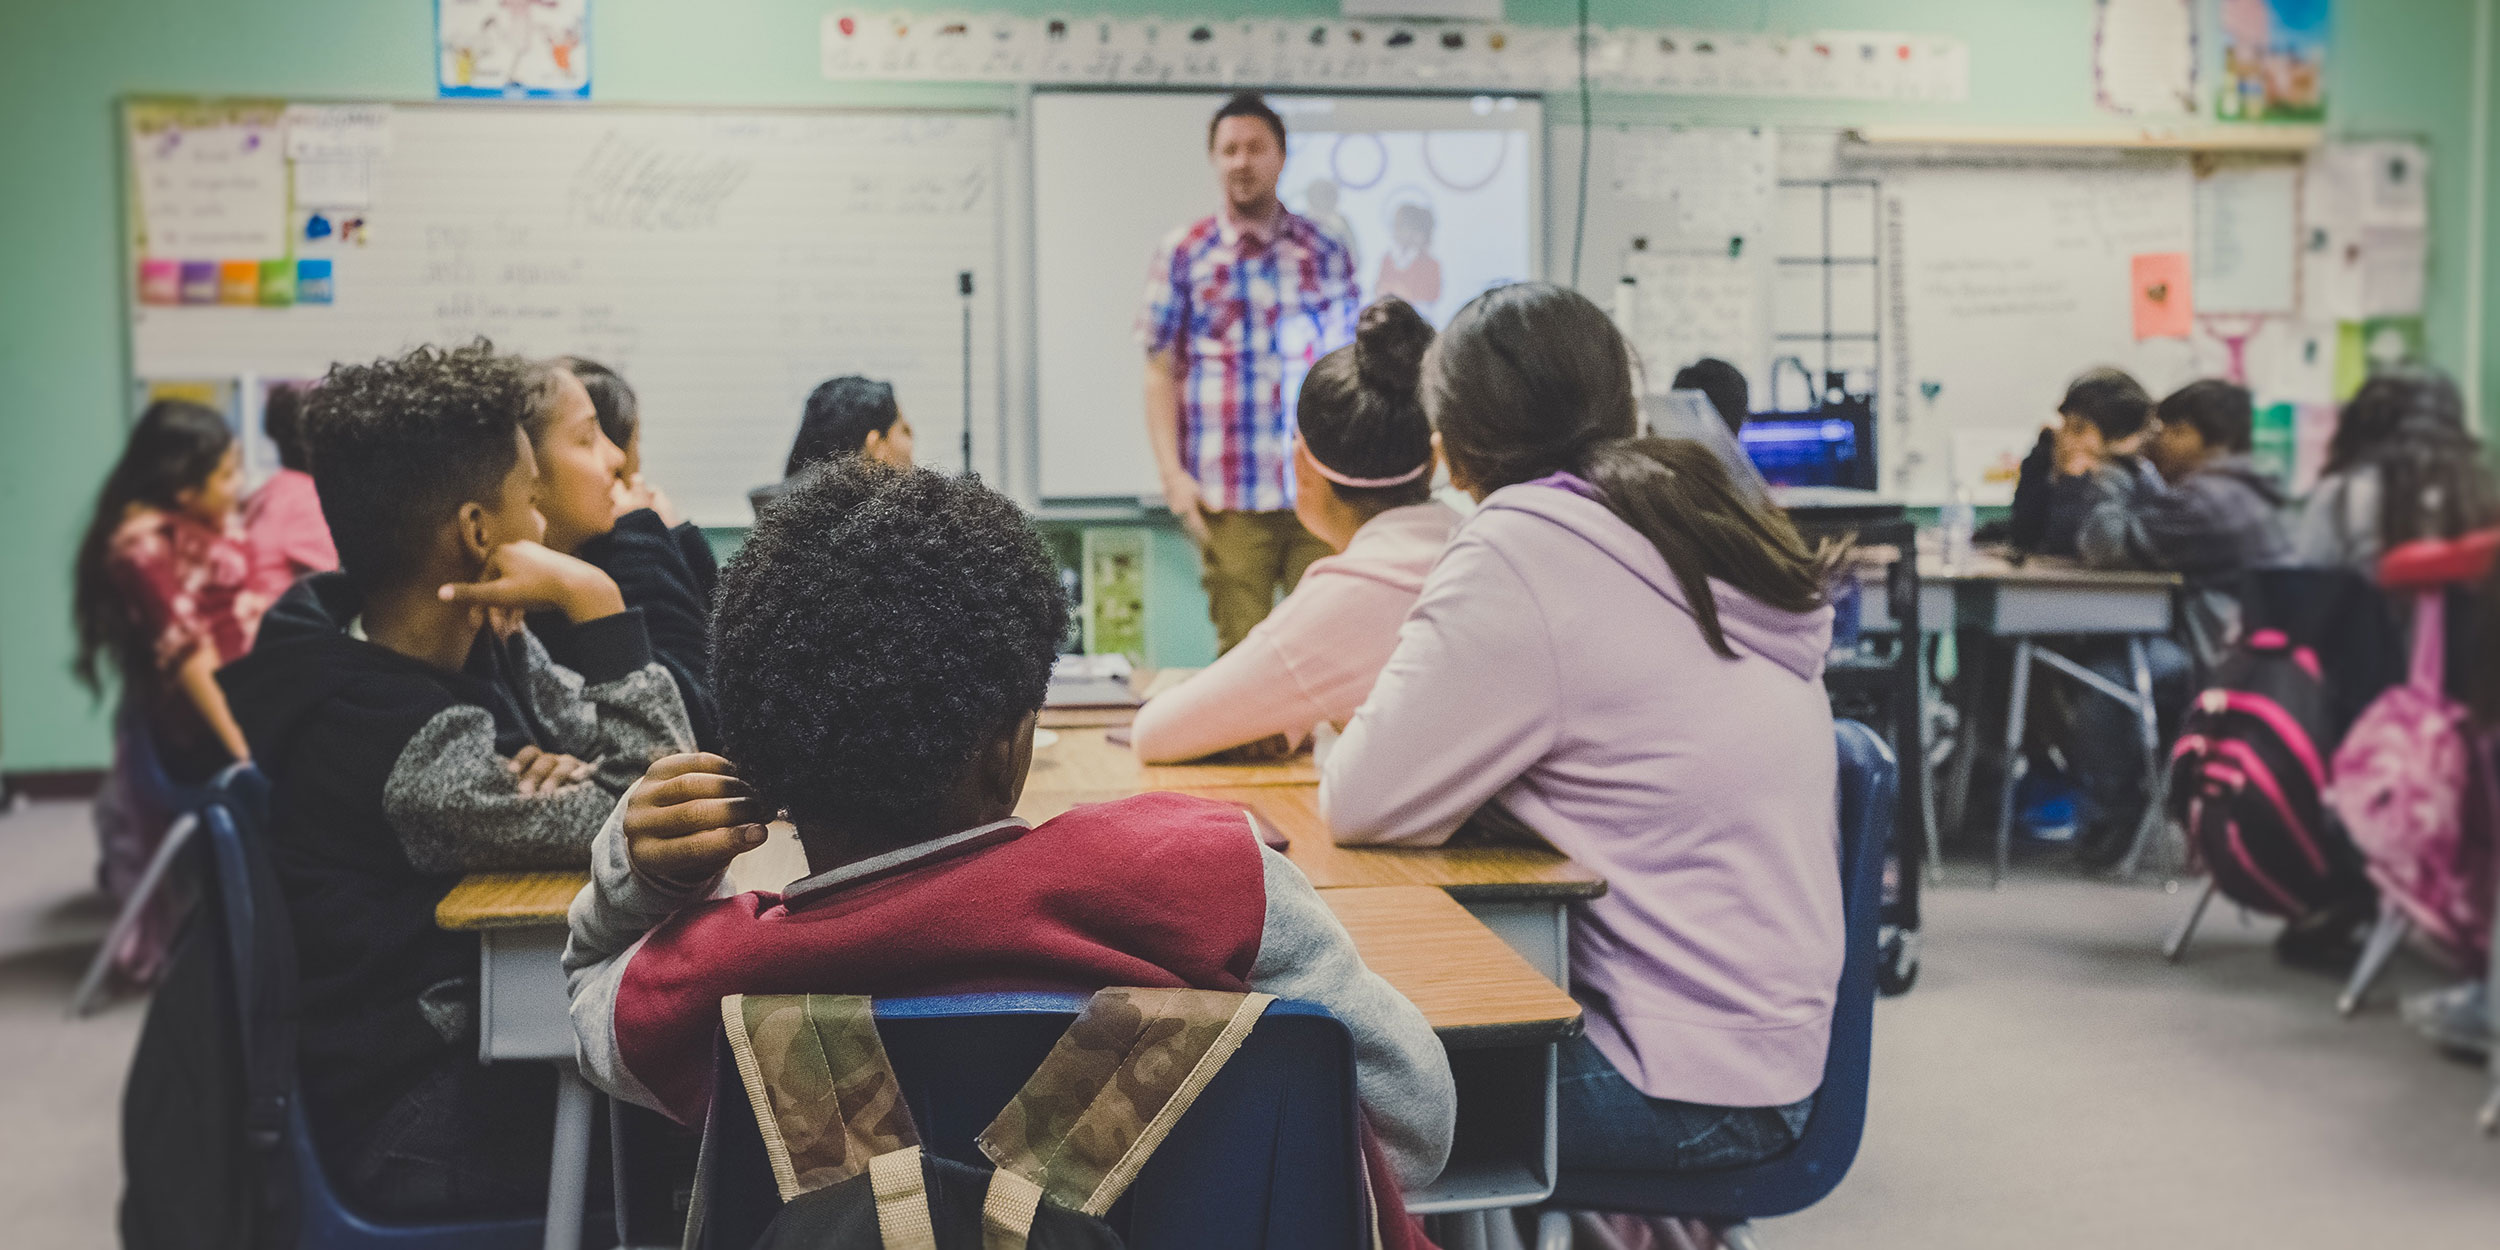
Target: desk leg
<point>2015,709</point>
<point>568,1171</point>
<point>2156,778</point>
<point>1926,771</point>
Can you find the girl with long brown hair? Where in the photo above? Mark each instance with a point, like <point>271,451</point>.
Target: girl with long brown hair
<point>1623,652</point>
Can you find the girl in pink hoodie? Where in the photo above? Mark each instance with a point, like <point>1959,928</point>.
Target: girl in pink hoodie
<point>1363,484</point>
<point>1623,653</point>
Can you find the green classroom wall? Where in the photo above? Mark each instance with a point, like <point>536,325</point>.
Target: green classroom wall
<point>2399,67</point>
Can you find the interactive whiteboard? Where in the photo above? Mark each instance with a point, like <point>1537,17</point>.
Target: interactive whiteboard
<point>1439,197</point>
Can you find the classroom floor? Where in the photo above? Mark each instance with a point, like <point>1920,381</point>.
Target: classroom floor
<point>2050,1083</point>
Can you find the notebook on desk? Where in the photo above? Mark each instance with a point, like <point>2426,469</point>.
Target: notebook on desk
<point>1084,681</point>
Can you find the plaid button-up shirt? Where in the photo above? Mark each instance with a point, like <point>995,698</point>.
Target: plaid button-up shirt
<point>1248,310</point>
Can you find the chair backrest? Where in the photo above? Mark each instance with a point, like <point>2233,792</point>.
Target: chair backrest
<point>1829,1144</point>
<point>260,953</point>
<point>1267,1158</point>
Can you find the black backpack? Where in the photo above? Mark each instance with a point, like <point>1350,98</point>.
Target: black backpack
<point>204,1112</point>
<point>2245,781</point>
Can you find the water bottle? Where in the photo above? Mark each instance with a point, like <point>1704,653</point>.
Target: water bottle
<point>1961,516</point>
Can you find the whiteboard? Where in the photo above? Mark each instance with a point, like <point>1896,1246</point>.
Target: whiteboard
<point>1114,173</point>
<point>724,261</point>
<point>2003,283</point>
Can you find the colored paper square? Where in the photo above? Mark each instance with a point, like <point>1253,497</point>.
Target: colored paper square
<point>2165,307</point>
<point>160,282</point>
<point>277,283</point>
<point>313,283</point>
<point>199,282</point>
<point>238,282</point>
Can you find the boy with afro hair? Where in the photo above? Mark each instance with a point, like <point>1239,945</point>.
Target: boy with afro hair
<point>881,647</point>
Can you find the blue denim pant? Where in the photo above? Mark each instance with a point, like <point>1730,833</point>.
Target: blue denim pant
<point>1609,1123</point>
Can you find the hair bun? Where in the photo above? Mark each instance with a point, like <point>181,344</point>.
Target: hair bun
<point>1389,343</point>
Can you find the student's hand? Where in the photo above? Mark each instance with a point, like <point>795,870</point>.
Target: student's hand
<point>631,494</point>
<point>545,772</point>
<point>528,576</point>
<point>2080,448</point>
<point>1180,494</point>
<point>689,816</point>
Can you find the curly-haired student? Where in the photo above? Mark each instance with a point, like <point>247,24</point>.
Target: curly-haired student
<point>397,768</point>
<point>882,646</point>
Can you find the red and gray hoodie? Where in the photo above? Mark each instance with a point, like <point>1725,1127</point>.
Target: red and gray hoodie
<point>1158,890</point>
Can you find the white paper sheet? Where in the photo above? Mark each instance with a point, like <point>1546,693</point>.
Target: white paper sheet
<point>2247,239</point>
<point>1687,305</point>
<point>2144,57</point>
<point>213,192</point>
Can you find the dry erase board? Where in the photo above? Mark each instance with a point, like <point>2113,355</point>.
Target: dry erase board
<point>725,261</point>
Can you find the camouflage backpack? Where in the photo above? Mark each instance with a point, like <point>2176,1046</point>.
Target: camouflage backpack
<point>848,1161</point>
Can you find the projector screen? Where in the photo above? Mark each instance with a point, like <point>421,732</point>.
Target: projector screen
<point>1438,197</point>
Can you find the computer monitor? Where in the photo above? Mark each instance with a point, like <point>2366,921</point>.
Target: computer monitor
<point>1833,446</point>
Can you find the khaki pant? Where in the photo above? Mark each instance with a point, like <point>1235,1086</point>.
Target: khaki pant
<point>1250,557</point>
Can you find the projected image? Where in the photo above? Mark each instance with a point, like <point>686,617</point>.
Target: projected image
<point>1433,217</point>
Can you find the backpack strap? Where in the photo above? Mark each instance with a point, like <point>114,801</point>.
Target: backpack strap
<point>902,1193</point>
<point>825,1097</point>
<point>1106,1096</point>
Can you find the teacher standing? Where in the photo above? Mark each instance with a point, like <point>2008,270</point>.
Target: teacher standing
<point>1239,306</point>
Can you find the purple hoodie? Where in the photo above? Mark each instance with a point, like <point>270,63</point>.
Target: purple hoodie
<point>1552,664</point>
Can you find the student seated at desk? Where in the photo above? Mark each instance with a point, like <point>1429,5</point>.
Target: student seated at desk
<point>2208,513</point>
<point>2104,411</point>
<point>1363,466</point>
<point>2401,466</point>
<point>1623,653</point>
<point>845,416</point>
<point>396,770</point>
<point>596,513</point>
<point>620,418</point>
<point>885,639</point>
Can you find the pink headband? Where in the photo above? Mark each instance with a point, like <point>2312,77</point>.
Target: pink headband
<point>1364,483</point>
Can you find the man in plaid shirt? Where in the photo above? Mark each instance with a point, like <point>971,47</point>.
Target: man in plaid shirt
<point>1238,308</point>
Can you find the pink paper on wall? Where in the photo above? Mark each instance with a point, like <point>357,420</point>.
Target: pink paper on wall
<point>160,282</point>
<point>2164,305</point>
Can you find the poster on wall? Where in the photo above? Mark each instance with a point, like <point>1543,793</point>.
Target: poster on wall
<point>2273,61</point>
<point>512,49</point>
<point>2144,57</point>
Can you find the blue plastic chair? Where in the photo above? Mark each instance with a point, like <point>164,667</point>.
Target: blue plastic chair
<point>1268,1157</point>
<point>142,766</point>
<point>1813,1168</point>
<point>235,821</point>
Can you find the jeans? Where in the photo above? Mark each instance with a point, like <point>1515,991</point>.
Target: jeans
<point>1609,1123</point>
<point>2103,742</point>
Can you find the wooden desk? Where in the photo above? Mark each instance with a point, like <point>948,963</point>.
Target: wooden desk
<point>1500,1018</point>
<point>1083,761</point>
<point>1476,991</point>
<point>1522,893</point>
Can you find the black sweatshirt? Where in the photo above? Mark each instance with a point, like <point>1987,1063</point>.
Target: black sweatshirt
<point>389,782</point>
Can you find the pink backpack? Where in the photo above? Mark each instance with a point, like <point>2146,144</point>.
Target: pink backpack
<point>2403,782</point>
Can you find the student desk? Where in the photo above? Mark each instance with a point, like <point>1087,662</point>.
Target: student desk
<point>1500,1019</point>
<point>2046,596</point>
<point>1522,893</point>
